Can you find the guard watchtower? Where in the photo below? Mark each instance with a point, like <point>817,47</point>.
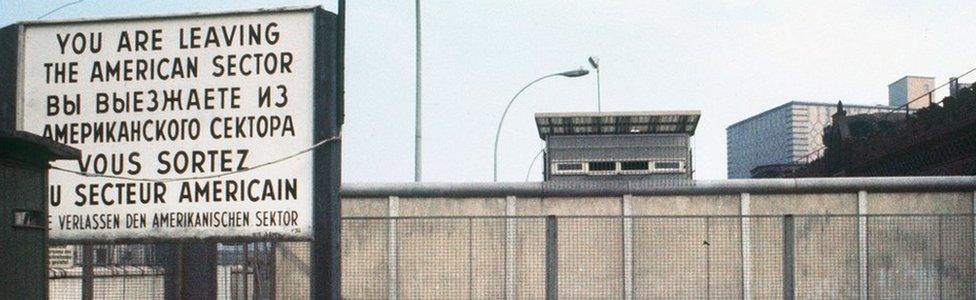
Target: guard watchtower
<point>587,146</point>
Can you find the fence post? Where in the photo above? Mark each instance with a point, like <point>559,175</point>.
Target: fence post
<point>87,273</point>
<point>788,258</point>
<point>746,249</point>
<point>552,258</point>
<point>393,211</point>
<point>470,258</point>
<point>940,268</point>
<point>510,270</point>
<point>627,256</point>
<point>862,243</point>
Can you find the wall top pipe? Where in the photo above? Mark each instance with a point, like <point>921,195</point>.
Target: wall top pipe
<point>697,187</point>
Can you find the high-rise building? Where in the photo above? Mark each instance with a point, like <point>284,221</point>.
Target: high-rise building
<point>910,88</point>
<point>787,134</point>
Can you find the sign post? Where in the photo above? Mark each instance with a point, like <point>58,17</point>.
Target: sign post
<point>199,128</point>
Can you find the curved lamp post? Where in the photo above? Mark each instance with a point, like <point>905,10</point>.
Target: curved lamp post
<point>532,164</point>
<point>570,74</point>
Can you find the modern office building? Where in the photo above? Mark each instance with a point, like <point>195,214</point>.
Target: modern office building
<point>909,88</point>
<point>597,146</point>
<point>787,134</point>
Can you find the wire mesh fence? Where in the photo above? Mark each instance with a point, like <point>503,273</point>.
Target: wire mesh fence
<point>116,271</point>
<point>531,257</point>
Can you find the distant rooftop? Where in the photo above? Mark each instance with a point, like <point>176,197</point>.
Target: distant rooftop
<point>809,103</point>
<point>912,76</point>
<point>626,122</point>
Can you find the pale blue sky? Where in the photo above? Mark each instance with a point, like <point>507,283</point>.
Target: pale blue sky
<point>730,59</point>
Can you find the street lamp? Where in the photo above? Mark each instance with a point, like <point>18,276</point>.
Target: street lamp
<point>595,63</point>
<point>417,146</point>
<point>574,73</point>
<point>529,171</point>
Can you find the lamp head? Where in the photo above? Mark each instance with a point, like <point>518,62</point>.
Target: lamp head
<point>575,73</point>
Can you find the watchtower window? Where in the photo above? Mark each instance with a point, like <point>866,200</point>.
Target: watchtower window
<point>602,166</point>
<point>667,165</point>
<point>569,167</point>
<point>633,166</point>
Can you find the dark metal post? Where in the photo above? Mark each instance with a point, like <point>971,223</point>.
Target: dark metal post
<point>867,257</point>
<point>623,247</point>
<point>470,260</point>
<point>552,258</point>
<point>198,271</point>
<point>170,256</point>
<point>708,258</point>
<point>273,271</point>
<point>941,265</point>
<point>247,273</point>
<point>788,258</point>
<point>341,60</point>
<point>325,258</point>
<point>88,273</point>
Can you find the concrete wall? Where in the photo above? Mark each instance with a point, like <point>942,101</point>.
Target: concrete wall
<point>670,256</point>
<point>674,254</point>
<point>937,249</point>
